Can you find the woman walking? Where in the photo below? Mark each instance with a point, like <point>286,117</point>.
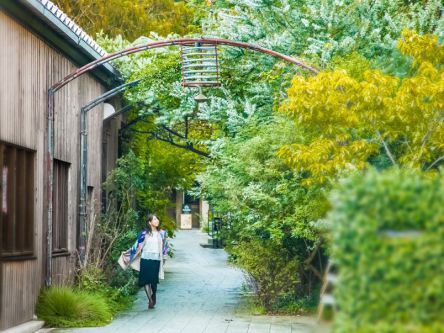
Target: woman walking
<point>151,263</point>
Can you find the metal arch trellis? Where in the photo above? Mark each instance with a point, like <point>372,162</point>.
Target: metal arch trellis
<point>178,42</point>
<point>94,64</point>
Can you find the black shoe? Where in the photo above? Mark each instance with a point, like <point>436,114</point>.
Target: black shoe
<point>154,299</point>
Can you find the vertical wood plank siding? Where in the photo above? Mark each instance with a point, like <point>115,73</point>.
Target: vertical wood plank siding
<point>60,207</point>
<point>28,66</point>
<point>110,143</point>
<point>19,289</point>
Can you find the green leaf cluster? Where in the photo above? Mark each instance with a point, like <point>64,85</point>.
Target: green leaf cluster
<point>320,30</point>
<point>271,267</point>
<point>270,233</point>
<point>131,19</point>
<point>269,174</point>
<point>387,231</point>
<point>348,120</point>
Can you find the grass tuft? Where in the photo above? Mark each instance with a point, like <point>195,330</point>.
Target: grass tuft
<point>66,307</point>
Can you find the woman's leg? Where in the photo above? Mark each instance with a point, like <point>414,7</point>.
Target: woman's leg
<point>154,290</point>
<point>149,294</point>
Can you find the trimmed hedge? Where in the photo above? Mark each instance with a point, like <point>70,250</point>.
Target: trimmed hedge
<point>387,283</point>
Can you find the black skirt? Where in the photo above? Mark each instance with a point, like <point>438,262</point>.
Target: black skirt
<point>149,272</point>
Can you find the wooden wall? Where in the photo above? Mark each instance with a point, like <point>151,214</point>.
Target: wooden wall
<point>28,66</point>
<point>110,143</point>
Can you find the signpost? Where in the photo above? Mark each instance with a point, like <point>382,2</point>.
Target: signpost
<point>186,220</point>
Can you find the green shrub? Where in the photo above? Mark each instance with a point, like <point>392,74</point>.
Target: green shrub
<point>385,327</point>
<point>291,303</point>
<point>205,228</point>
<point>288,303</point>
<point>118,292</point>
<point>126,281</point>
<point>249,304</point>
<point>91,279</point>
<point>272,270</point>
<point>66,307</point>
<point>122,243</point>
<point>389,282</point>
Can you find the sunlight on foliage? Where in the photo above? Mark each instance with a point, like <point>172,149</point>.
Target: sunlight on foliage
<point>130,18</point>
<point>346,120</point>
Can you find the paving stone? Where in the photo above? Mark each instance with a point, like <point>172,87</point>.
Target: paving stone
<point>276,328</point>
<point>237,329</point>
<point>259,328</point>
<point>301,328</point>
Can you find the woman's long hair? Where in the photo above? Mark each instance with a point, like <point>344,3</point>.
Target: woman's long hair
<point>148,228</point>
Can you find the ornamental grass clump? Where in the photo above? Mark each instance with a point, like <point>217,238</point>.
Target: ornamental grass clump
<point>388,245</point>
<point>66,307</point>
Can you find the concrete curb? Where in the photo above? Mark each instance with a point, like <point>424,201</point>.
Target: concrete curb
<point>28,327</point>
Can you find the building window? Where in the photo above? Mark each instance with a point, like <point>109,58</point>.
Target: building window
<point>16,200</point>
<point>90,200</point>
<point>60,207</point>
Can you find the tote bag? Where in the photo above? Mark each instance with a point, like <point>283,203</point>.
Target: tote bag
<point>124,259</point>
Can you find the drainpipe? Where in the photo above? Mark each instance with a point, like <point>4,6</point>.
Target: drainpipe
<point>50,171</point>
<point>83,214</point>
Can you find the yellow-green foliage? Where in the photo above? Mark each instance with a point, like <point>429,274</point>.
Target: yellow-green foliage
<point>422,48</point>
<point>347,119</point>
<point>131,19</point>
<point>388,231</point>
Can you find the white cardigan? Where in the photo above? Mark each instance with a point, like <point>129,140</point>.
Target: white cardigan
<point>135,263</point>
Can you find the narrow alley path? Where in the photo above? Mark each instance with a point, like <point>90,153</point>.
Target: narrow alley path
<point>200,293</point>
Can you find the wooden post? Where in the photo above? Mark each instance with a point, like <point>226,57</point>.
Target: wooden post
<point>1,231</point>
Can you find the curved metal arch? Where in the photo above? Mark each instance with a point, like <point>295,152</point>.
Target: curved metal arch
<point>49,176</point>
<point>178,42</point>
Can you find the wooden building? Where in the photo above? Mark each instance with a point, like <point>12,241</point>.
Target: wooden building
<point>39,45</point>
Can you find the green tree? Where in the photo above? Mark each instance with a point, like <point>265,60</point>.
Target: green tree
<point>269,211</point>
<point>131,19</point>
<point>322,29</point>
<point>348,120</point>
<point>268,174</point>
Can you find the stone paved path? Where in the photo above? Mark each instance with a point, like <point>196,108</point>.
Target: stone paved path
<point>200,293</point>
